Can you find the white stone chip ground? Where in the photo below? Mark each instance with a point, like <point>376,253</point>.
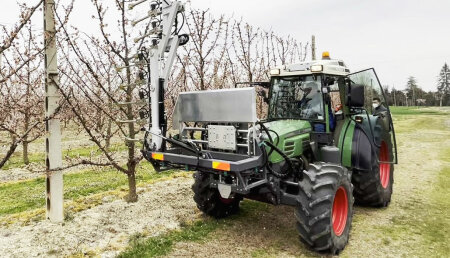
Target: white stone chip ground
<point>105,230</point>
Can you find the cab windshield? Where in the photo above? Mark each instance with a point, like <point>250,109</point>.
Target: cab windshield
<point>296,97</point>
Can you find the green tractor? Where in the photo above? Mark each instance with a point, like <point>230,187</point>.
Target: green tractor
<point>328,140</point>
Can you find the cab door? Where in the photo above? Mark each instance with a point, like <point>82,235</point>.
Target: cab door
<point>373,89</point>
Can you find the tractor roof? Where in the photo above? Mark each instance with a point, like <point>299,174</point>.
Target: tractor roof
<point>326,66</point>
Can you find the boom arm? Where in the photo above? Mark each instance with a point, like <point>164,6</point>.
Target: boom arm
<point>162,53</point>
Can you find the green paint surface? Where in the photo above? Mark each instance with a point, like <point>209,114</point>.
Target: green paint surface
<point>288,131</point>
<point>345,142</point>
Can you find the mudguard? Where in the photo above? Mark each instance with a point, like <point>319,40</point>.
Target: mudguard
<point>356,142</point>
<point>362,150</point>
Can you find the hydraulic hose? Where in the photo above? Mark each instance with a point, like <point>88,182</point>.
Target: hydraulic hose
<point>266,164</point>
<point>269,136</point>
<point>278,137</point>
<point>275,148</point>
<point>177,143</point>
<point>288,161</point>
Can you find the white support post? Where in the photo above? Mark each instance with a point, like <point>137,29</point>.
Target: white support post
<point>54,182</point>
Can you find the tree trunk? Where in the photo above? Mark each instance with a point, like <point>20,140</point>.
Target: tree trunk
<point>132,195</point>
<point>131,164</point>
<point>13,138</point>
<point>26,161</point>
<point>8,155</point>
<point>108,135</point>
<point>25,142</point>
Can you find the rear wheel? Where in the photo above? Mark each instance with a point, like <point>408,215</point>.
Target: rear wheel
<point>374,187</point>
<point>209,200</point>
<point>325,207</point>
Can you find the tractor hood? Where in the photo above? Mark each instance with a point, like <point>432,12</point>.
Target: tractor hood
<point>291,137</point>
<point>288,128</point>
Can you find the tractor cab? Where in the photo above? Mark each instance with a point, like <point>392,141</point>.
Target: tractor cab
<point>327,96</point>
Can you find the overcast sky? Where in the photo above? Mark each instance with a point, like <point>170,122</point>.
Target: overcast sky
<point>398,38</point>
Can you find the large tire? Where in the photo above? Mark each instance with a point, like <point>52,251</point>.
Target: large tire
<point>374,187</point>
<point>325,207</point>
<point>209,200</point>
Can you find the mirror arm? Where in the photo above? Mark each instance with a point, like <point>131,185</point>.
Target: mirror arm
<point>265,85</point>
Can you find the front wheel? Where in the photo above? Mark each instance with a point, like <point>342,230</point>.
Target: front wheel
<point>209,200</point>
<point>325,207</point>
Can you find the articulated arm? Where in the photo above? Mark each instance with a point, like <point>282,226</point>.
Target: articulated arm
<point>164,40</point>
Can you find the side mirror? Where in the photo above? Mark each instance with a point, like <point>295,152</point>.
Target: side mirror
<point>262,93</point>
<point>355,95</point>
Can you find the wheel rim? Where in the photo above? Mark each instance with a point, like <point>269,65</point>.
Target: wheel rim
<point>384,167</point>
<point>340,211</point>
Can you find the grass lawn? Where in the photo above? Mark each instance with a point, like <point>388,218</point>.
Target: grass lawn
<point>28,195</point>
<point>419,110</point>
<point>140,246</point>
<point>16,160</point>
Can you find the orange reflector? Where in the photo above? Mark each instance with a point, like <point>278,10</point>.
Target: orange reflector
<point>221,165</point>
<point>158,156</point>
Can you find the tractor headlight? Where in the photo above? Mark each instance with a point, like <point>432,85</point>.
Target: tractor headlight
<point>275,72</point>
<point>316,68</point>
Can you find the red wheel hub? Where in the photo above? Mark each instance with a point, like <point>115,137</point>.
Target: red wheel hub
<point>340,211</point>
<point>385,168</point>
<point>226,200</point>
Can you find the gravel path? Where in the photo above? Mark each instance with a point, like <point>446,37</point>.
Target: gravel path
<point>17,174</point>
<point>105,229</point>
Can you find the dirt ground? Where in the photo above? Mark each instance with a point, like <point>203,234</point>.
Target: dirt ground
<point>106,229</point>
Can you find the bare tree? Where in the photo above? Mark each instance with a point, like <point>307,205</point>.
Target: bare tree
<point>10,36</point>
<point>245,40</point>
<point>205,32</point>
<point>20,78</point>
<point>101,79</point>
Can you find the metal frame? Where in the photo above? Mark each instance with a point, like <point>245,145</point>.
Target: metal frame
<point>161,63</point>
<point>238,164</point>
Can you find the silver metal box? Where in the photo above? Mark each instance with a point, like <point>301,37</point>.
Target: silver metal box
<point>216,106</point>
<point>222,137</point>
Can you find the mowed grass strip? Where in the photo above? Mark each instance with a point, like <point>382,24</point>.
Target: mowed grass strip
<point>419,110</point>
<point>16,160</point>
<point>430,221</point>
<point>142,246</point>
<point>162,245</point>
<point>30,194</point>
